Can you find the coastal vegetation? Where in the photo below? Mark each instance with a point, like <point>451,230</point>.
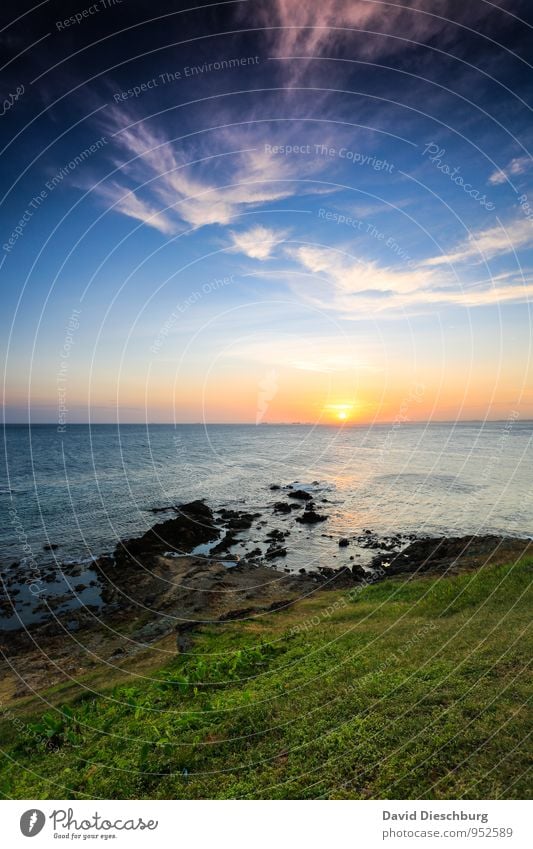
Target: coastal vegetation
<point>413,687</point>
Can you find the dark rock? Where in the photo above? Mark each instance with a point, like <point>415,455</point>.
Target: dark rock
<point>193,525</point>
<point>242,523</point>
<point>301,495</point>
<point>183,642</point>
<point>118,651</point>
<point>274,486</point>
<point>344,542</point>
<point>238,520</point>
<point>310,517</point>
<point>50,546</point>
<point>225,543</point>
<point>185,626</point>
<point>276,534</point>
<point>342,578</point>
<point>58,600</point>
<point>282,507</point>
<point>243,613</point>
<point>276,551</point>
<point>439,554</point>
<point>358,573</point>
<point>152,631</point>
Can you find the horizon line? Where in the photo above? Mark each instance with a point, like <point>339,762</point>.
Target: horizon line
<point>264,424</point>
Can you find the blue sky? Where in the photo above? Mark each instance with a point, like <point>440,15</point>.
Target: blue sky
<point>336,196</point>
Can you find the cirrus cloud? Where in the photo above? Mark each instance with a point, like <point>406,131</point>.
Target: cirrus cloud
<point>258,242</point>
<point>515,168</point>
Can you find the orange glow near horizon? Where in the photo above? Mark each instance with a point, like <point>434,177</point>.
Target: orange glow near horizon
<point>237,392</point>
<point>308,398</point>
<point>286,380</point>
<point>339,412</point>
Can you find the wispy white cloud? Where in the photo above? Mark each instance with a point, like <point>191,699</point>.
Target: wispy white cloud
<point>308,28</point>
<point>365,210</point>
<point>354,287</point>
<point>258,242</point>
<point>304,26</point>
<point>161,186</point>
<point>488,243</point>
<point>128,203</point>
<point>514,168</point>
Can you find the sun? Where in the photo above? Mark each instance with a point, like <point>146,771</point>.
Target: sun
<point>339,412</point>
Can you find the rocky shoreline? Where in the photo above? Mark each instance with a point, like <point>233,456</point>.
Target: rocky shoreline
<point>183,574</point>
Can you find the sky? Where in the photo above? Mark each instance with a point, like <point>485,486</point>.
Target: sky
<point>266,211</point>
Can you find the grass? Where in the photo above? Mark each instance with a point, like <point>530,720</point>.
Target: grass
<point>407,689</point>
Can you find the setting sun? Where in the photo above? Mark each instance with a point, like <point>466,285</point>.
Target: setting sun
<point>339,412</point>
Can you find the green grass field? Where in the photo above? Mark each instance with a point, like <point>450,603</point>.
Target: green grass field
<point>402,690</point>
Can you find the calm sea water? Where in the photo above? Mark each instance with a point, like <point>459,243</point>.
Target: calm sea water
<point>85,489</point>
<point>91,486</point>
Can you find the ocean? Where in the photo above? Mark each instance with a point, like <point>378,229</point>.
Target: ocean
<point>85,489</point>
